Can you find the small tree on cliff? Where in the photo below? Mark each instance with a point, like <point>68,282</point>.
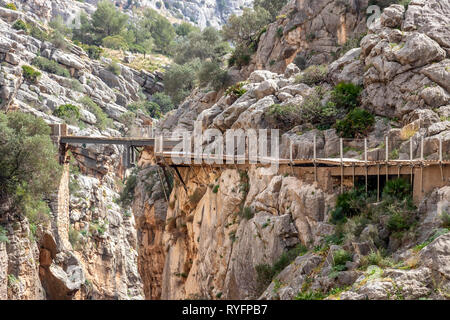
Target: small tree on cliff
<point>273,6</point>
<point>29,170</point>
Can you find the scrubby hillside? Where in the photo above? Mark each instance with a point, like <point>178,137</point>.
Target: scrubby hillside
<point>307,68</point>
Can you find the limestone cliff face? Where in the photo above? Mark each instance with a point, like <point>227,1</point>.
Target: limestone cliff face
<point>203,236</point>
<point>311,31</point>
<point>212,248</point>
<point>87,249</point>
<point>206,248</point>
<point>150,209</point>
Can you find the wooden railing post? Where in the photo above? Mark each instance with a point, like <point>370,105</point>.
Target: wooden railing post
<point>411,160</point>
<point>315,157</point>
<point>341,147</point>
<point>367,167</point>
<point>387,158</point>
<point>441,158</point>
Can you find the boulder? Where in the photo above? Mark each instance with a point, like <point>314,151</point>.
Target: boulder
<point>261,75</point>
<point>392,16</point>
<point>348,68</point>
<point>291,70</point>
<point>419,50</point>
<point>435,96</point>
<point>439,73</point>
<point>266,88</point>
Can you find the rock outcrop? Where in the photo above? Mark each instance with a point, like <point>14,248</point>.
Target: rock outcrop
<point>310,31</point>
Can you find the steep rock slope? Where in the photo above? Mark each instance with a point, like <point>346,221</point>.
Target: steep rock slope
<point>212,247</point>
<point>89,249</point>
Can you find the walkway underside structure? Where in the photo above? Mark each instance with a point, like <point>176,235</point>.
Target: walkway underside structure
<point>424,175</point>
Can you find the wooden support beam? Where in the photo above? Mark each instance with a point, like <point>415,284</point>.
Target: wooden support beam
<point>341,147</point>
<point>387,158</point>
<point>353,174</point>
<point>421,165</point>
<point>180,177</point>
<point>378,184</point>
<point>441,158</point>
<point>411,159</point>
<point>166,175</point>
<point>367,168</point>
<point>315,157</point>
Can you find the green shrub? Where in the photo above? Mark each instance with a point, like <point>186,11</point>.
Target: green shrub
<point>98,227</point>
<point>127,195</point>
<point>398,222</point>
<point>179,80</point>
<point>12,279</point>
<point>287,257</point>
<point>150,108</point>
<point>20,25</point>
<point>340,257</point>
<point>397,188</point>
<point>163,101</point>
<point>375,258</point>
<point>29,168</point>
<point>116,42</point>
<point>351,43</point>
<point>336,238</point>
<point>50,66</point>
<point>247,213</point>
<point>103,121</point>
<point>313,75</point>
<point>212,73</point>
<point>216,189</point>
<point>76,85</point>
<point>272,6</point>
<point>93,51</point>
<point>266,273</point>
<point>237,90</point>
<point>310,295</point>
<point>264,276</point>
<point>11,6</point>
<point>315,112</point>
<point>445,218</point>
<point>245,30</point>
<point>283,117</point>
<point>38,33</point>
<point>58,40</point>
<point>114,67</point>
<point>69,113</point>
<point>128,119</point>
<point>30,73</point>
<point>74,238</point>
<point>3,235</point>
<point>300,61</point>
<point>348,204</point>
<point>357,123</point>
<point>240,57</point>
<point>436,234</point>
<point>206,45</point>
<point>346,95</point>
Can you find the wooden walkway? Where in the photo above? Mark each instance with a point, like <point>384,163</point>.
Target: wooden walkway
<point>436,172</point>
